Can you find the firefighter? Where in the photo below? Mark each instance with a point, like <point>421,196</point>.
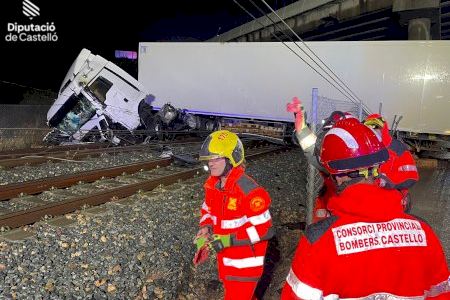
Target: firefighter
<point>235,219</point>
<point>310,144</point>
<point>400,171</point>
<point>369,248</point>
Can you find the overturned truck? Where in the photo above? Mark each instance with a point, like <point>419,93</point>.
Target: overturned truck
<point>98,101</point>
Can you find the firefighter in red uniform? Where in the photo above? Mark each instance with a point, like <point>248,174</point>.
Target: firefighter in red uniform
<point>400,171</point>
<point>235,219</point>
<point>369,248</point>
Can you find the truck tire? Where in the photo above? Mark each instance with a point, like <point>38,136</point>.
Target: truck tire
<point>146,115</point>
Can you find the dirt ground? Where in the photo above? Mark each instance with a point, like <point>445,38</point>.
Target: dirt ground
<point>431,199</point>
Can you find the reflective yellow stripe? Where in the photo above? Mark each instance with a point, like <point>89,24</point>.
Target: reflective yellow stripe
<point>242,263</point>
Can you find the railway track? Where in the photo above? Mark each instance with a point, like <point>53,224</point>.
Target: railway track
<point>28,209</point>
<point>43,151</point>
<point>38,186</point>
<point>17,153</point>
<point>40,157</point>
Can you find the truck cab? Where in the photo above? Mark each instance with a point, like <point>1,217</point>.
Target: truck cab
<point>95,97</point>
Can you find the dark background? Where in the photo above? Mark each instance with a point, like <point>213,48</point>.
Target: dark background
<point>102,27</point>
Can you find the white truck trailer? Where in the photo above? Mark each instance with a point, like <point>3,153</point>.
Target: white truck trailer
<point>255,80</point>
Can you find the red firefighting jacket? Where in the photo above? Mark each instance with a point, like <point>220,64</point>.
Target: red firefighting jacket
<point>328,190</point>
<point>368,249</point>
<point>241,209</point>
<point>400,171</point>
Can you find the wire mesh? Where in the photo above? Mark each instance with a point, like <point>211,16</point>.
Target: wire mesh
<point>21,138</point>
<point>321,109</point>
<point>325,106</point>
<point>23,116</point>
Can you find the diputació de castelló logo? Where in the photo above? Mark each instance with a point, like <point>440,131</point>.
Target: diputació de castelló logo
<point>44,32</point>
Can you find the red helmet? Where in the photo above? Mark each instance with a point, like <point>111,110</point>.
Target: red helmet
<point>334,117</point>
<point>376,121</point>
<point>350,146</point>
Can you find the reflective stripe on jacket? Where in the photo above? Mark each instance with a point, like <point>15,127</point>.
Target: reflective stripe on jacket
<point>368,249</point>
<point>241,209</point>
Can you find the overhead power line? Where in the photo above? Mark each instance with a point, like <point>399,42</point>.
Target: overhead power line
<point>293,51</point>
<point>300,39</point>
<point>338,84</point>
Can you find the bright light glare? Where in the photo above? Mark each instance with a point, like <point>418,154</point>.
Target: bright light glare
<point>425,77</point>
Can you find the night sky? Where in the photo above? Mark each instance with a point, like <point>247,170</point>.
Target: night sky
<point>102,27</point>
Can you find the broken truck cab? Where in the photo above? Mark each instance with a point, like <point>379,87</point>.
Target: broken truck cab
<point>95,96</point>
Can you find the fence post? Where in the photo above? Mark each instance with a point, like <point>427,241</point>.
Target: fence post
<point>312,172</point>
<point>360,111</point>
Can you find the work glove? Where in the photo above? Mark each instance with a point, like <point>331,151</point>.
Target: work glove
<point>296,107</point>
<point>201,255</point>
<point>201,241</point>
<point>220,242</point>
<point>202,236</point>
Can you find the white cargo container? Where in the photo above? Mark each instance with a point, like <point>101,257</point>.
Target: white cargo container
<point>255,80</point>
<point>410,78</point>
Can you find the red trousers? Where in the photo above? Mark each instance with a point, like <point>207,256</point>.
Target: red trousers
<point>238,290</point>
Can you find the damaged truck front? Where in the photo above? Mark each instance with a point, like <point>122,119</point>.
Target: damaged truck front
<point>98,101</point>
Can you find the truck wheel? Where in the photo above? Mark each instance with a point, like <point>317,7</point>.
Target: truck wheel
<point>209,125</point>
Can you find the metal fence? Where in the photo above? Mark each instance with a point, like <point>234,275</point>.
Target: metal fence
<point>22,138</point>
<point>22,126</point>
<point>321,109</point>
<point>23,116</point>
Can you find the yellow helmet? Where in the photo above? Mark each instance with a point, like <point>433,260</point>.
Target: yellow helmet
<point>375,121</point>
<point>223,143</point>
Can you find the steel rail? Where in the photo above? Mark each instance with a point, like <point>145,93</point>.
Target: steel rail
<point>29,216</point>
<point>38,186</point>
<point>39,158</point>
<point>43,151</point>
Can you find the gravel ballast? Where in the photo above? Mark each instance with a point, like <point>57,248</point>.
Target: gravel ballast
<point>144,250</point>
<point>64,167</point>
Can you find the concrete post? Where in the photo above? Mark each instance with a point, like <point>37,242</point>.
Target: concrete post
<point>312,172</point>
<point>421,16</point>
<point>419,29</point>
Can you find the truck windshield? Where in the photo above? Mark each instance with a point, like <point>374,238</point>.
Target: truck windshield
<point>82,112</point>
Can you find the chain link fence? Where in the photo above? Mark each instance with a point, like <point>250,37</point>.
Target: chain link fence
<point>321,109</point>
<point>23,116</point>
<point>22,126</point>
